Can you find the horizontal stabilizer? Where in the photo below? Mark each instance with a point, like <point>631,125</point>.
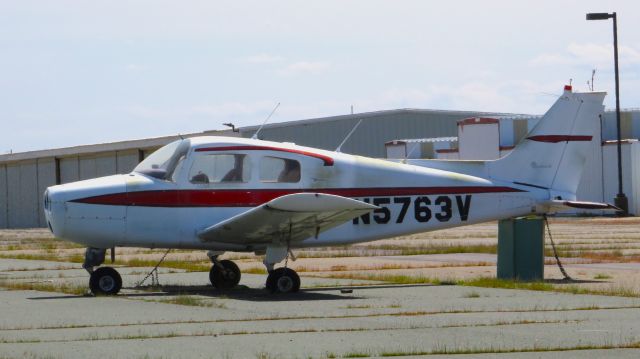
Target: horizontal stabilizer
<point>294,217</point>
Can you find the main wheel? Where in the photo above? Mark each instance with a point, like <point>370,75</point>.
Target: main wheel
<point>226,277</point>
<point>283,280</point>
<point>105,281</point>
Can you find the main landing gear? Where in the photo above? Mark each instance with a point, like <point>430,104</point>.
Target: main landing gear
<point>104,280</point>
<point>280,280</point>
<point>283,280</point>
<point>224,274</point>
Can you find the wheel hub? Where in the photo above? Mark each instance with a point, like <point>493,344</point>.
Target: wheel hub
<point>229,275</point>
<point>284,284</point>
<point>106,283</point>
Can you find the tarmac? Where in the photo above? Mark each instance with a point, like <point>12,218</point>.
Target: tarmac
<point>322,321</point>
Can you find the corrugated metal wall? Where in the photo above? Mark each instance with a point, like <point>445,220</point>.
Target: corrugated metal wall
<point>23,183</point>
<point>4,197</point>
<point>629,125</point>
<point>23,199</point>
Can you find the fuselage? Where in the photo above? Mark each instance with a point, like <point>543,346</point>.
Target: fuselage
<point>196,183</point>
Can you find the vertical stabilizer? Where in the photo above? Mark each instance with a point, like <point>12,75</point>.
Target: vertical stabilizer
<point>553,154</point>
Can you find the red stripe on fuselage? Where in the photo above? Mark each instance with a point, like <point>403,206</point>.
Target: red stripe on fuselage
<point>559,138</point>
<point>328,161</point>
<point>256,197</point>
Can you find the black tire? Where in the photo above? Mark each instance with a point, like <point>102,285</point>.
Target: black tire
<point>283,280</point>
<point>105,281</point>
<point>226,278</point>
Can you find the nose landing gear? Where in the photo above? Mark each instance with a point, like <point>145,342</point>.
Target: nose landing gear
<point>104,280</point>
<point>224,274</point>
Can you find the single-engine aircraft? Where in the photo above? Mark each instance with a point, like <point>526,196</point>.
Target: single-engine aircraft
<point>246,195</point>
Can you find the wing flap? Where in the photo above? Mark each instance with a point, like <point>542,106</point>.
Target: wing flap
<point>560,205</point>
<point>296,217</point>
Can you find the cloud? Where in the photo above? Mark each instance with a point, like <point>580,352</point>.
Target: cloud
<point>599,55</point>
<point>301,67</point>
<point>263,59</point>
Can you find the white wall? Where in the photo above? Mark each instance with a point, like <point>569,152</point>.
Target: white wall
<point>447,155</point>
<point>629,167</point>
<point>479,141</point>
<point>396,150</point>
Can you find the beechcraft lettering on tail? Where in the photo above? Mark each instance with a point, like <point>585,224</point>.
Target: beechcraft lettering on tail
<point>222,194</point>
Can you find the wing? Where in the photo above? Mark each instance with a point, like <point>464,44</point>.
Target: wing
<point>296,216</point>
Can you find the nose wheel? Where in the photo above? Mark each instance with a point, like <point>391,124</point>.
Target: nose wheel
<point>105,281</point>
<point>224,274</point>
<point>283,280</point>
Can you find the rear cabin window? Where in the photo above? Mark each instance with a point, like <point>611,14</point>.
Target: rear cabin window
<point>220,168</point>
<point>282,170</point>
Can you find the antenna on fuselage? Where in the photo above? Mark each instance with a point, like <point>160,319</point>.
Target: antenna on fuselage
<point>348,135</point>
<point>255,135</point>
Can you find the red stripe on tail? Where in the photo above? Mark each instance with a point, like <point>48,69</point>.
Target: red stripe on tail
<point>559,138</point>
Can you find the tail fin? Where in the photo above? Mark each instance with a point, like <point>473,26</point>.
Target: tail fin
<point>554,153</point>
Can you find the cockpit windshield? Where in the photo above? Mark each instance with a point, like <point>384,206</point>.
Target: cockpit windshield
<point>162,163</point>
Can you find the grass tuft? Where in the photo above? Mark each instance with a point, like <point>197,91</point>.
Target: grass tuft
<point>602,276</point>
<point>190,300</point>
<point>44,287</point>
<point>357,354</point>
<point>472,294</point>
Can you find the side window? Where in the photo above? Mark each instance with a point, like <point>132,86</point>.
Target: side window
<point>220,168</point>
<point>275,169</point>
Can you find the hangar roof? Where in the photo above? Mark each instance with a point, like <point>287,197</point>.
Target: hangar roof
<point>385,113</point>
<point>103,147</point>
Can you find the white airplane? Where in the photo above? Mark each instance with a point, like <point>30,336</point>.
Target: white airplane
<point>244,195</point>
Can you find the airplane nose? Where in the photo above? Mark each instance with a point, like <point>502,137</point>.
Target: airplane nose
<point>64,219</point>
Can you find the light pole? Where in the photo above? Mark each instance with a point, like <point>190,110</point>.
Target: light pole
<point>621,200</point>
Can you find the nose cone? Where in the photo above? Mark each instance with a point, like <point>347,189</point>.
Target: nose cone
<point>57,197</point>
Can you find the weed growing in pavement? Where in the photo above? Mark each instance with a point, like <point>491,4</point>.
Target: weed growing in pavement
<point>472,294</point>
<point>190,300</point>
<point>602,276</point>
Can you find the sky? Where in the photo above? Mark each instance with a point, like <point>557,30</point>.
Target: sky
<point>83,72</point>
